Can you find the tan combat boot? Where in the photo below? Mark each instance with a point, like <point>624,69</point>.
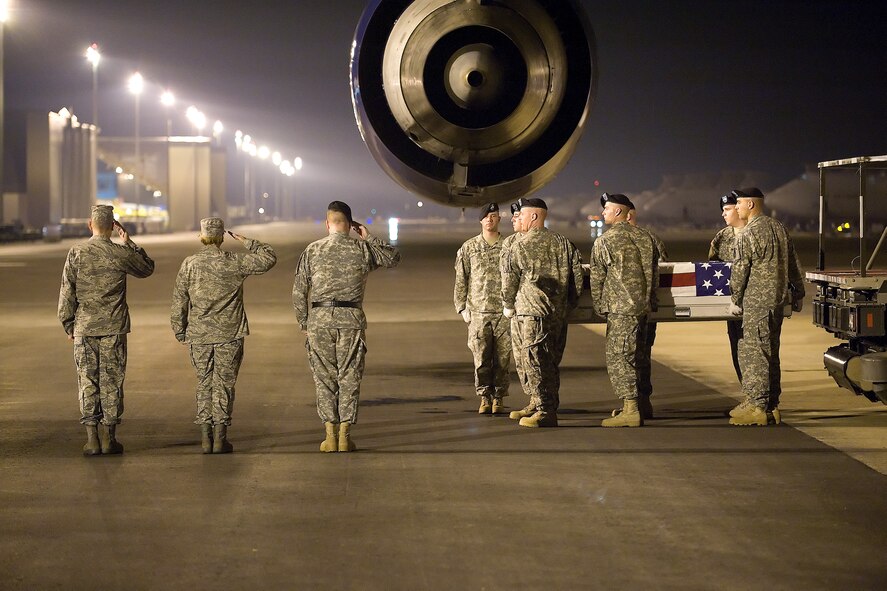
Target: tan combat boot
<point>108,436</point>
<point>485,406</point>
<point>629,416</point>
<point>221,445</point>
<point>498,406</point>
<point>330,443</point>
<point>345,442</point>
<point>524,412</point>
<point>92,447</point>
<point>739,408</point>
<point>206,438</point>
<point>750,415</point>
<point>539,419</point>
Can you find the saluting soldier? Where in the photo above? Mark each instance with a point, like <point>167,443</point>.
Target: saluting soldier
<point>723,248</point>
<point>645,353</point>
<point>766,276</point>
<point>541,282</point>
<point>624,276</point>
<point>328,297</point>
<point>94,313</point>
<point>208,315</point>
<point>477,296</point>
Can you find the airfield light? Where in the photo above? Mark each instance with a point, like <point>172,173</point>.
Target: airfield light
<point>119,170</point>
<point>262,210</point>
<point>392,228</point>
<point>157,194</point>
<point>218,127</point>
<point>167,99</point>
<point>264,152</point>
<point>298,162</point>
<point>846,225</point>
<point>419,204</point>
<point>136,84</point>
<point>276,158</point>
<point>597,183</point>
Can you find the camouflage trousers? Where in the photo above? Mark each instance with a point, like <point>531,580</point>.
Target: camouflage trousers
<point>101,368</point>
<point>336,358</point>
<point>734,333</point>
<point>625,338</point>
<point>645,358</point>
<point>759,357</point>
<point>489,338</point>
<point>217,366</point>
<point>540,353</point>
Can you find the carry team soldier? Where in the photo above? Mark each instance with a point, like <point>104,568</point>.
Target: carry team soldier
<point>328,292</point>
<point>519,230</point>
<point>645,353</point>
<point>94,313</point>
<point>208,315</point>
<point>624,276</point>
<point>541,282</point>
<point>723,248</point>
<point>766,276</point>
<point>477,296</point>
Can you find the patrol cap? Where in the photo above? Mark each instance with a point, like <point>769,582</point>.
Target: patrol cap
<point>728,199</point>
<point>102,216</point>
<point>532,202</point>
<point>750,192</point>
<point>488,209</point>
<point>341,207</point>
<point>617,198</point>
<point>212,227</point>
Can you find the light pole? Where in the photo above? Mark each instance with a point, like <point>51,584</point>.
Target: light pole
<point>136,85</point>
<point>94,57</point>
<point>168,99</point>
<point>4,15</point>
<point>198,120</point>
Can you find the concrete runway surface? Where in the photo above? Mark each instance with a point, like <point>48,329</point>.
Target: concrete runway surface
<point>437,497</point>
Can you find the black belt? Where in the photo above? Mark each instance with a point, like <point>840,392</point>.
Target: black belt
<point>335,304</point>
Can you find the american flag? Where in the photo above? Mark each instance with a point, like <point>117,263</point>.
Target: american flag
<point>695,279</point>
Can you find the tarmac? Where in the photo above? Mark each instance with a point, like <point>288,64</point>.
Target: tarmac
<point>436,497</point>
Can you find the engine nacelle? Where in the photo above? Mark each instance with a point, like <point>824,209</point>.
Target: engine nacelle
<point>470,101</point>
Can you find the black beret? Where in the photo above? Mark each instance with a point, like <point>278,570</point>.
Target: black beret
<point>488,209</point>
<point>749,192</point>
<point>532,202</point>
<point>728,199</point>
<point>341,207</point>
<point>617,198</point>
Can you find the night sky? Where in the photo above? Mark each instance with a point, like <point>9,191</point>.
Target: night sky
<point>684,86</point>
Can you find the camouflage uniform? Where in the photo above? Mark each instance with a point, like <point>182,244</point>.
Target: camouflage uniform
<point>624,275</point>
<point>507,242</point>
<point>208,314</point>
<point>92,308</point>
<point>765,271</point>
<point>334,270</point>
<point>478,289</point>
<point>541,281</point>
<point>648,336</point>
<point>723,248</point>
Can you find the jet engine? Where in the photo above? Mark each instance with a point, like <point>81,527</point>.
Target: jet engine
<point>470,101</point>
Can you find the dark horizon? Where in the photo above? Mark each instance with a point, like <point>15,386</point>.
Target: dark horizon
<point>683,87</point>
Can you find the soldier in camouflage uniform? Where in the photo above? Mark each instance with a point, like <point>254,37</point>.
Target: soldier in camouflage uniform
<point>723,248</point>
<point>766,276</point>
<point>208,316</point>
<point>519,230</point>
<point>477,296</point>
<point>624,275</point>
<point>541,281</point>
<point>92,309</point>
<point>645,353</point>
<point>328,296</point>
